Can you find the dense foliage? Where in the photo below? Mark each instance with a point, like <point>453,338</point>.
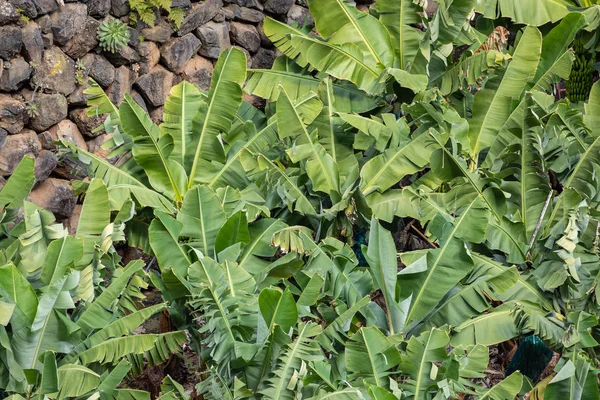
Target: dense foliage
<point>278,234</point>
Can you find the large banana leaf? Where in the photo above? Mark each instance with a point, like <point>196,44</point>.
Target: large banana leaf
<point>345,61</point>
<point>201,217</point>
<point>297,82</point>
<point>576,380</point>
<point>341,23</point>
<point>40,230</point>
<point>505,390</point>
<point>556,60</point>
<point>113,350</point>
<point>304,348</point>
<point>216,117</point>
<point>494,327</point>
<point>17,187</point>
<point>491,108</point>
<point>181,106</point>
<point>532,193</point>
<point>151,150</point>
<point>320,166</point>
<point>555,64</point>
<point>101,312</point>
<point>470,70</point>
<point>164,235</point>
<point>121,185</point>
<point>534,12</point>
<point>279,34</point>
<point>524,289</point>
<point>427,280</point>
<point>61,254</point>
<point>385,170</point>
<point>422,354</point>
<point>383,260</point>
<point>399,17</point>
<point>371,356</point>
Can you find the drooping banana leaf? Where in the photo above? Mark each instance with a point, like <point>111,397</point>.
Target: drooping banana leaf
<point>341,23</point>
<point>399,17</point>
<point>491,108</point>
<point>217,116</point>
<point>536,12</point>
<point>181,106</point>
<point>372,356</point>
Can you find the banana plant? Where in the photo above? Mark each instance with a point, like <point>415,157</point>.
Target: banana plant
<point>61,333</point>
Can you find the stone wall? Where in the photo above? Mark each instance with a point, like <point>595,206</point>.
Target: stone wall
<point>47,50</point>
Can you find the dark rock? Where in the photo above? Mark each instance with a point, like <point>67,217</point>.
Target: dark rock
<point>220,17</point>
<point>46,6</point>
<point>98,8</point>
<point>215,39</point>
<point>150,56</point>
<point>65,130</point>
<point>198,71</point>
<point>45,163</point>
<point>248,3</point>
<point>199,14</point>
<point>263,59</point>
<point>183,4</point>
<point>121,85</point>
<point>125,56</point>
<point>15,148</point>
<point>255,101</point>
<point>228,14</point>
<point>264,39</point>
<point>17,73</point>
<point>52,109</point>
<point>56,72</point>
<point>138,99</point>
<point>278,6</point>
<point>85,124</point>
<point>48,39</point>
<point>176,52</point>
<point>78,98</point>
<point>85,40</point>
<point>13,114</point>
<point>99,69</point>
<point>245,35</point>
<point>56,196</point>
<point>155,85</point>
<point>68,21</point>
<point>95,145</point>
<point>160,32</point>
<point>11,41</point>
<point>8,13</point>
<point>33,45</point>
<point>134,37</point>
<point>27,7</point>
<point>45,23</point>
<point>119,8</point>
<point>300,15</point>
<point>246,14</point>
<point>3,135</point>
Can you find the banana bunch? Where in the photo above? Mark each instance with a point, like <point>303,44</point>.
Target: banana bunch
<point>580,81</point>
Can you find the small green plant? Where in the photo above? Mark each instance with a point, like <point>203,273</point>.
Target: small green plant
<point>33,110</point>
<point>144,10</point>
<point>80,72</point>
<point>113,35</point>
<point>22,17</point>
